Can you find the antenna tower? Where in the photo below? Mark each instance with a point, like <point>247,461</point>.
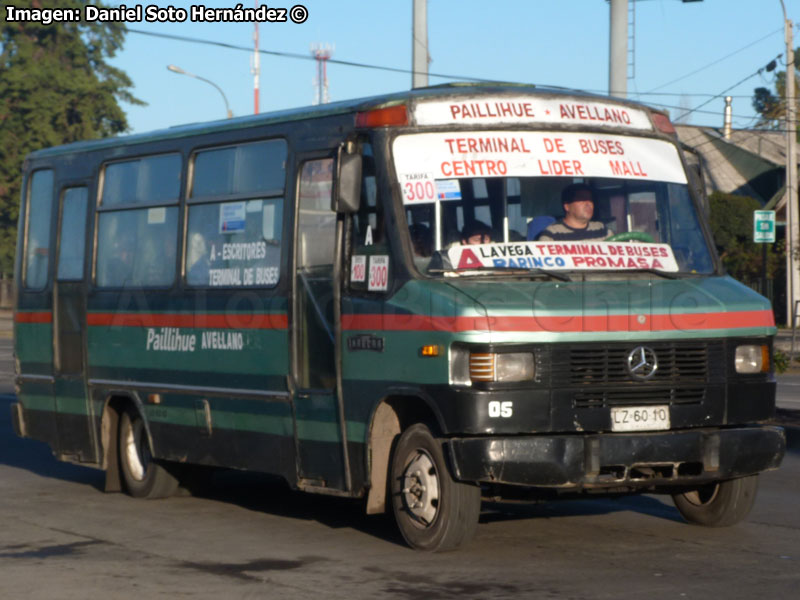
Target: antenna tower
<point>321,53</point>
<point>255,69</point>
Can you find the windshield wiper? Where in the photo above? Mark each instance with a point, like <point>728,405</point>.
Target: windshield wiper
<point>504,270</point>
<point>664,274</point>
<point>651,271</point>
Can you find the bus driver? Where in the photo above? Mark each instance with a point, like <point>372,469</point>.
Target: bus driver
<point>577,224</point>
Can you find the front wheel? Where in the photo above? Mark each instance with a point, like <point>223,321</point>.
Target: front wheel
<point>718,504</point>
<point>144,478</point>
<point>433,511</point>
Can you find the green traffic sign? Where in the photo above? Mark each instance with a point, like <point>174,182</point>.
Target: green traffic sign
<point>764,226</point>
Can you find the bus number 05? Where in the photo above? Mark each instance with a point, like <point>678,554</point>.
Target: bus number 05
<point>500,409</point>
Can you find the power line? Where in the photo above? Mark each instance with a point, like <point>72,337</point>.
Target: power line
<point>723,91</point>
<point>182,38</point>
<point>704,112</point>
<point>711,64</point>
<point>307,57</point>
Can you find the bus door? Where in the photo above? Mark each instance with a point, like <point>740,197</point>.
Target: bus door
<point>318,431</point>
<point>73,408</point>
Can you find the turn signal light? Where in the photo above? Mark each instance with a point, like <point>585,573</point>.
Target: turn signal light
<point>481,367</point>
<point>663,123</point>
<point>430,350</point>
<point>504,367</point>
<point>391,116</point>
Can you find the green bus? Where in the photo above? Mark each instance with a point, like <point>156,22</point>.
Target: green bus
<point>391,299</point>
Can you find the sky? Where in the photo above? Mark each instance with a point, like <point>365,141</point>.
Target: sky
<point>684,53</point>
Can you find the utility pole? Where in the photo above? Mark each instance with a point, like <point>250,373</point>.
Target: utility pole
<point>256,69</point>
<point>618,49</point>
<point>792,230</point>
<point>419,45</point>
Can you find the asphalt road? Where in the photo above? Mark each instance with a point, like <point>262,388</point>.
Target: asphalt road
<point>789,392</point>
<point>247,536</point>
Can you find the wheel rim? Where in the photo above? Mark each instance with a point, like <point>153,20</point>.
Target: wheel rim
<point>421,488</point>
<point>136,450</point>
<point>703,495</point>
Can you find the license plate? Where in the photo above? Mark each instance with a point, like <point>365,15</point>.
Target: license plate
<point>640,418</point>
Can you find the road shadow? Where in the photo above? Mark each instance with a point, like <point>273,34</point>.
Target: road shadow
<point>792,439</point>
<point>269,494</point>
<point>37,457</point>
<point>600,505</point>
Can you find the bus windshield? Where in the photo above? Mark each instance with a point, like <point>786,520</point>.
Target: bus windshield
<point>503,201</point>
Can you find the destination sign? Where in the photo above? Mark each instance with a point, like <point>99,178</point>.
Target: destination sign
<point>526,109</point>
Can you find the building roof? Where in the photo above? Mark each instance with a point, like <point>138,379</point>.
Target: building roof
<point>749,163</point>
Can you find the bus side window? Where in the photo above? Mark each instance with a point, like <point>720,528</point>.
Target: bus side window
<point>234,243</point>
<point>73,234</point>
<point>369,268</point>
<point>138,246</point>
<point>39,213</point>
<point>235,222</point>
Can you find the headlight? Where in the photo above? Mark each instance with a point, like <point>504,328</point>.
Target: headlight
<point>459,366</point>
<point>517,366</point>
<point>752,359</point>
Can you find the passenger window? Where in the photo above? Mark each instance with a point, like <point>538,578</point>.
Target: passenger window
<point>316,229</point>
<point>236,243</point>
<point>39,213</point>
<point>137,247</point>
<point>643,213</point>
<point>149,180</point>
<point>256,168</point>
<point>72,240</point>
<point>369,249</point>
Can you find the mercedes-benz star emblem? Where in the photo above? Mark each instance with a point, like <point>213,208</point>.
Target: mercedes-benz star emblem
<point>642,363</point>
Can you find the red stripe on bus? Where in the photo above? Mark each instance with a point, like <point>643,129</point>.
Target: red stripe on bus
<point>200,321</point>
<point>566,323</point>
<point>33,317</point>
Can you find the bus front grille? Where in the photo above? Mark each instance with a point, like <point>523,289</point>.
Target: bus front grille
<point>598,364</point>
<point>639,396</point>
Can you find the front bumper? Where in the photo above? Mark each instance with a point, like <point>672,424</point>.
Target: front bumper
<point>613,460</point>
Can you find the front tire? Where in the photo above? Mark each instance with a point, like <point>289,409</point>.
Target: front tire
<point>143,477</point>
<point>718,504</point>
<point>433,511</point>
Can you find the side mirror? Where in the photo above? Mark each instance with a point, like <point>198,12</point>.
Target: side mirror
<point>348,190</point>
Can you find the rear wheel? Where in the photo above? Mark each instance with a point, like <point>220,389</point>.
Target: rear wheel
<point>143,476</point>
<point>718,504</point>
<point>433,511</point>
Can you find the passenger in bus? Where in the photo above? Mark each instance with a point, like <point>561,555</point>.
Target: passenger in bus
<point>157,265</point>
<point>197,272</point>
<point>117,269</point>
<point>421,239</point>
<point>576,225</point>
<point>475,232</point>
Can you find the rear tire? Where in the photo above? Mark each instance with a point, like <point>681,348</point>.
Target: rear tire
<point>142,475</point>
<point>433,511</point>
<point>718,504</point>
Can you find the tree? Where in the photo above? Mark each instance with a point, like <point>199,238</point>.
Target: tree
<point>771,106</point>
<point>55,87</point>
<point>732,225</point>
